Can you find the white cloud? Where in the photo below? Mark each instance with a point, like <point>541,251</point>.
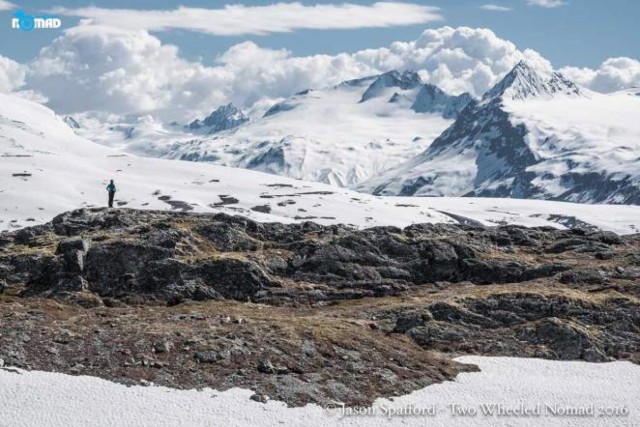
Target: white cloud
<point>495,8</point>
<point>612,75</point>
<point>12,74</point>
<point>118,71</point>
<point>547,3</point>
<point>93,67</point>
<point>5,5</point>
<point>233,20</point>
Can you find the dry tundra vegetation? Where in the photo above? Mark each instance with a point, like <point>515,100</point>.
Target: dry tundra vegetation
<point>307,313</point>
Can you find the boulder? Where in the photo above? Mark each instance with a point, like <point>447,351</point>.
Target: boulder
<point>588,276</point>
<point>115,267</point>
<point>410,320</point>
<point>227,237</point>
<point>232,278</point>
<point>567,341</point>
<point>74,244</point>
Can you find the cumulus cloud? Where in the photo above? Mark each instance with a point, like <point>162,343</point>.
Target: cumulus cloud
<point>495,8</point>
<point>100,68</point>
<point>5,5</point>
<point>612,75</point>
<point>547,3</point>
<point>93,67</point>
<point>233,20</point>
<point>12,74</point>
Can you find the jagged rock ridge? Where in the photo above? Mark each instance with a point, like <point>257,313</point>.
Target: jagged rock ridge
<point>223,118</point>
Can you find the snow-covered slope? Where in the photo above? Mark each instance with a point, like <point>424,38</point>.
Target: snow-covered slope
<point>340,135</point>
<point>556,393</point>
<point>46,169</point>
<point>534,135</point>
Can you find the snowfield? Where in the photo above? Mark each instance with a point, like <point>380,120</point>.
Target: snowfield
<point>46,169</point>
<point>534,135</point>
<point>556,391</point>
<point>326,135</point>
<point>597,134</point>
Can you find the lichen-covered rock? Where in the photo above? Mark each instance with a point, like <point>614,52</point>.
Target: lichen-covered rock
<point>231,278</point>
<point>115,268</point>
<point>73,244</point>
<point>177,256</point>
<point>334,313</point>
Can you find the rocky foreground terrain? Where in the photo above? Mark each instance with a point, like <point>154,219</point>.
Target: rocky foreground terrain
<point>303,312</point>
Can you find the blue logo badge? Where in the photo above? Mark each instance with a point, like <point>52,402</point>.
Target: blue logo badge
<point>24,22</point>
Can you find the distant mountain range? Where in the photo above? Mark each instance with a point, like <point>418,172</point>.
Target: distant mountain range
<point>531,136</point>
<point>47,169</point>
<point>341,135</point>
<point>535,134</point>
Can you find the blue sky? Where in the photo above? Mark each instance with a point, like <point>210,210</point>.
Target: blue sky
<point>580,33</point>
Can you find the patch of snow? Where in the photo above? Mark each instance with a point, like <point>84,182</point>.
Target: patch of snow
<point>58,400</point>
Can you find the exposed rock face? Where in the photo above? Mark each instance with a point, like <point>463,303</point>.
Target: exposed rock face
<point>173,257</point>
<point>223,118</point>
<point>432,99</point>
<point>529,324</point>
<point>154,255</point>
<point>404,81</point>
<point>71,122</point>
<point>300,312</point>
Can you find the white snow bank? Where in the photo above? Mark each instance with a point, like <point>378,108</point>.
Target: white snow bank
<point>52,399</point>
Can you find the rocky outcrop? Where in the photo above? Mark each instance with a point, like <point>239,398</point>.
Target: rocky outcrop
<point>173,257</point>
<point>528,324</point>
<point>304,312</point>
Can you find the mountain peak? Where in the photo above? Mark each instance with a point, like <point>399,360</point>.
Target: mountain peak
<point>524,67</point>
<point>432,99</point>
<point>526,81</point>
<point>406,80</point>
<point>224,117</point>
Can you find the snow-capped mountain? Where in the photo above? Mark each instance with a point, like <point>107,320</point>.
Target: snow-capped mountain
<point>341,135</point>
<point>223,118</point>
<point>535,134</point>
<point>405,81</point>
<point>408,91</point>
<point>47,169</point>
<point>525,82</point>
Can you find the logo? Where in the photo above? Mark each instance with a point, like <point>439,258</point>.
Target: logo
<point>24,22</point>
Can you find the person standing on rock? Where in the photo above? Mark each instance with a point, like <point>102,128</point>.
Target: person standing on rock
<point>111,188</point>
